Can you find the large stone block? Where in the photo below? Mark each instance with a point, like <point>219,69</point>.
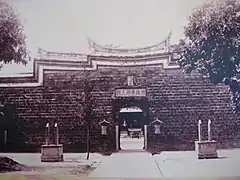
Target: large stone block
<point>206,149</point>
<point>52,153</point>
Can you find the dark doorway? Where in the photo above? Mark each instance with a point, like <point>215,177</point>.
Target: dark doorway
<point>12,138</point>
<point>131,123</point>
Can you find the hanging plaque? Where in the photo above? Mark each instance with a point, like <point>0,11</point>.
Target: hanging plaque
<point>131,92</point>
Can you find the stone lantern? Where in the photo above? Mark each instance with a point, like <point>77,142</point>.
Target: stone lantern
<point>157,126</point>
<point>104,124</point>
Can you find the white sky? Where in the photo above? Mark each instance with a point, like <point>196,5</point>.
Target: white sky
<point>62,25</point>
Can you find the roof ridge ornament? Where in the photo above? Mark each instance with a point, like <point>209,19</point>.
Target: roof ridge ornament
<point>168,39</point>
<point>41,51</point>
<point>161,46</point>
<point>90,43</point>
<point>43,54</point>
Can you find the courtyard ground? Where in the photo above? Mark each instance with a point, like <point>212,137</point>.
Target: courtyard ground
<point>130,164</point>
<point>132,144</point>
<point>185,165</point>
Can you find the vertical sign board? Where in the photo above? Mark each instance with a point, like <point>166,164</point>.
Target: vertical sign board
<point>131,92</point>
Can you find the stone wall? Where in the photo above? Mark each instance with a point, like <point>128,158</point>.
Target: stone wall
<point>177,99</point>
<point>180,100</point>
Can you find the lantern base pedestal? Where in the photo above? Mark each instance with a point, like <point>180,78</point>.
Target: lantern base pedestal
<point>52,153</point>
<point>206,149</point>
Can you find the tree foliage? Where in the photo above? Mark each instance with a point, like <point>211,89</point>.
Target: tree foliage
<point>12,39</point>
<point>212,44</point>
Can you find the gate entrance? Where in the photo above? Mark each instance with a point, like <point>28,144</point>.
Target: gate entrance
<point>131,123</point>
<point>131,117</point>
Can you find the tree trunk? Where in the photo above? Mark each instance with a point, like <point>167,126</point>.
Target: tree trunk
<point>88,143</point>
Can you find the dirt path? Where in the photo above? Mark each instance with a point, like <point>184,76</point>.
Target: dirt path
<point>70,173</point>
<point>75,166</point>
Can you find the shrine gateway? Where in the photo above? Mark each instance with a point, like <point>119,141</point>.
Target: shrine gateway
<point>148,79</point>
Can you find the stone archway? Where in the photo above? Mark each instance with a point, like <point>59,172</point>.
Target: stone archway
<point>120,103</point>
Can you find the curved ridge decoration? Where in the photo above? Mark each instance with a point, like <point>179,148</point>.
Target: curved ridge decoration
<point>56,55</point>
<point>162,46</point>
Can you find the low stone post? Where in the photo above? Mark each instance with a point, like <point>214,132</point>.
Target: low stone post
<point>205,148</point>
<point>56,134</point>
<point>52,152</point>
<point>117,138</point>
<point>199,131</point>
<point>47,134</point>
<point>145,137</point>
<point>209,130</point>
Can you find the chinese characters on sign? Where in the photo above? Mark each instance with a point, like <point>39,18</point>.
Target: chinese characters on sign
<point>131,92</point>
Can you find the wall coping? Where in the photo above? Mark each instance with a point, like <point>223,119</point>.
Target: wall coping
<point>79,62</point>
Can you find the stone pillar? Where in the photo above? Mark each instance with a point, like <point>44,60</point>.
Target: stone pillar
<point>209,130</point>
<point>56,134</point>
<point>199,131</point>
<point>117,138</point>
<point>47,134</point>
<point>145,137</point>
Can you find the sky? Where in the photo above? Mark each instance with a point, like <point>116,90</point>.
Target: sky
<point>63,25</point>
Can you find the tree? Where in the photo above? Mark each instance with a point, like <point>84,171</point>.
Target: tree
<point>81,85</point>
<point>82,94</point>
<point>12,40</point>
<point>88,107</point>
<point>212,44</point>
